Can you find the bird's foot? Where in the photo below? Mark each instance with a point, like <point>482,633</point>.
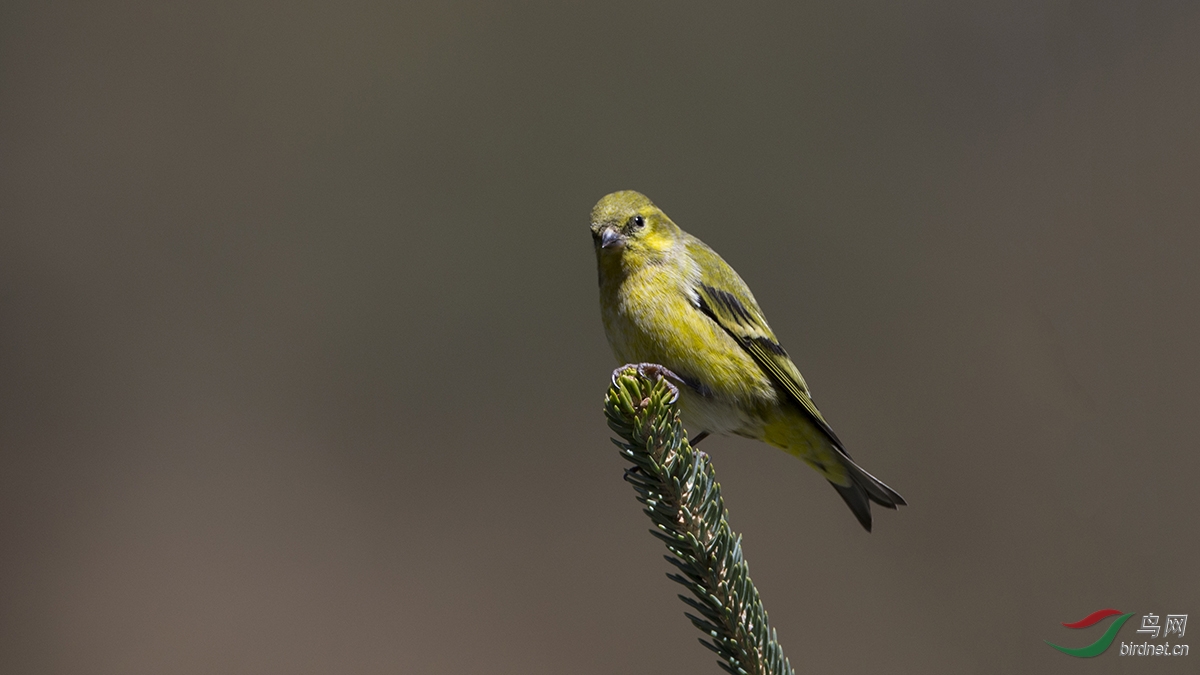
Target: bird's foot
<point>651,371</point>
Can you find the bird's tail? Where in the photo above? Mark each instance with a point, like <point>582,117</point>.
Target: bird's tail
<point>863,489</point>
<point>821,450</point>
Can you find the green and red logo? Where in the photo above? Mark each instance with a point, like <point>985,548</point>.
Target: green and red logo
<point>1096,648</point>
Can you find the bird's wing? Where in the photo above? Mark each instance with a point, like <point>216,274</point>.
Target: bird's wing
<point>725,298</point>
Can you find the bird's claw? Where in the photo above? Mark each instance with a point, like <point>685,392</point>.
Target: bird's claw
<point>651,371</point>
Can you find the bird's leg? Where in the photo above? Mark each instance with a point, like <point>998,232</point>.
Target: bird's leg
<point>697,438</point>
<point>651,371</point>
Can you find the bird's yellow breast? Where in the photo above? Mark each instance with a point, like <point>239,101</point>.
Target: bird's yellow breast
<point>650,315</point>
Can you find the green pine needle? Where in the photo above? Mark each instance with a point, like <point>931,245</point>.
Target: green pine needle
<point>679,489</point>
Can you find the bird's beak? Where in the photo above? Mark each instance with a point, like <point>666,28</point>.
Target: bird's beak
<point>610,237</point>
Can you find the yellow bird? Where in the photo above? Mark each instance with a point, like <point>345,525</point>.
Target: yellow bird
<point>667,298</point>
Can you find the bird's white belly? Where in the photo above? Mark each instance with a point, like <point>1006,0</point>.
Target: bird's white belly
<point>715,415</point>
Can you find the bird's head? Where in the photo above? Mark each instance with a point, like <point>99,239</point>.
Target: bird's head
<point>627,226</point>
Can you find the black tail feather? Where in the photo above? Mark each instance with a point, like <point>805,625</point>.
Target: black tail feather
<point>864,489</point>
<point>856,499</point>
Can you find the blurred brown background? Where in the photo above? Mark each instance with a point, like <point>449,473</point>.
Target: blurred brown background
<point>301,364</point>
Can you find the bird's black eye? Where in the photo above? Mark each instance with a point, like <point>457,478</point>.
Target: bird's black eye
<point>637,221</point>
